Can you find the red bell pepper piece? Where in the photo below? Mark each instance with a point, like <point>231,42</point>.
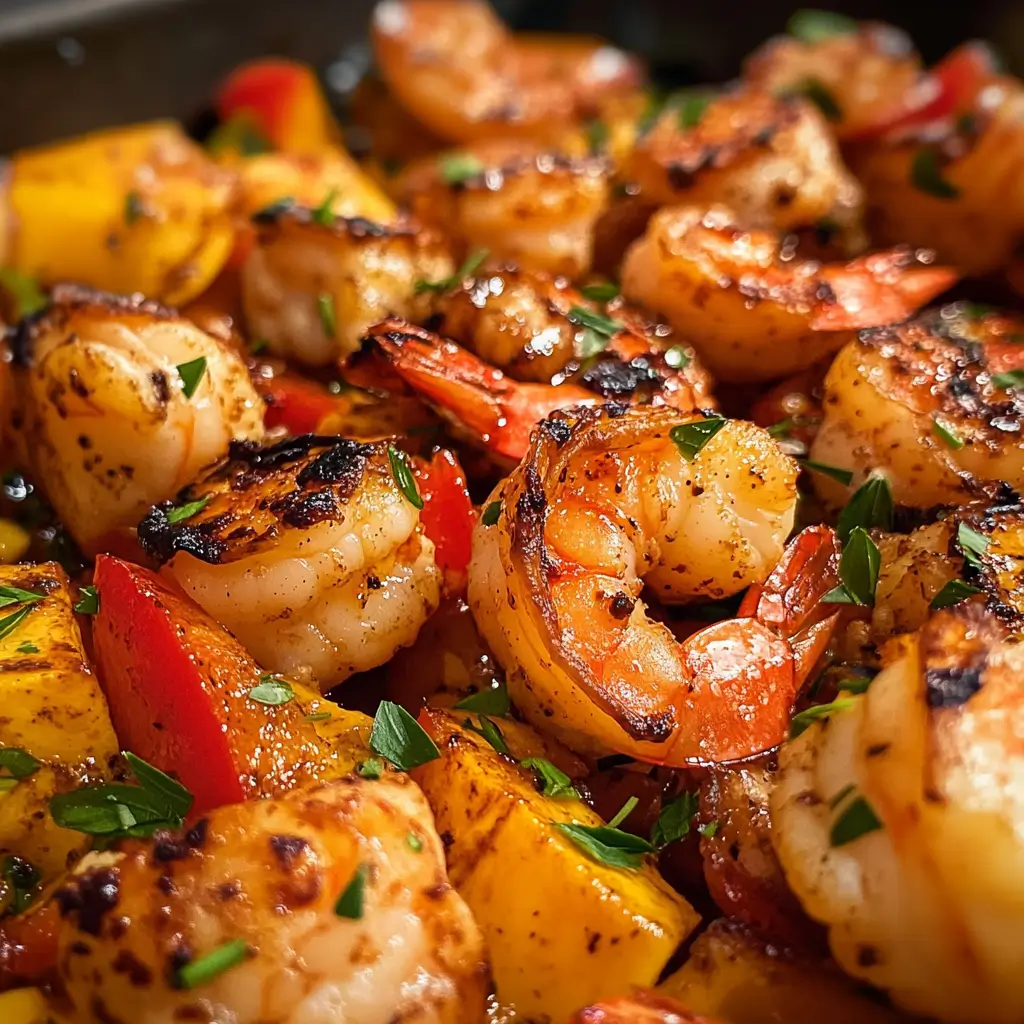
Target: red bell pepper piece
<point>177,684</point>
<point>283,101</point>
<point>28,946</point>
<point>949,89</point>
<point>296,404</point>
<point>448,515</point>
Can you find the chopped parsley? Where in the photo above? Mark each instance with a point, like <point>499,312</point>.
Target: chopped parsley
<point>555,783</point>
<point>607,844</point>
<point>458,168</point>
<point>403,476</point>
<point>804,719</point>
<point>603,291</point>
<point>204,969</point>
<point>814,26</point>
<point>953,592</point>
<point>18,763</point>
<point>973,545</point>
<point>324,213</point>
<point>690,438</point>
<point>675,820</point>
<point>926,175</point>
<point>871,506</point>
<point>191,373</point>
<point>490,732</point>
<point>473,262</point>
<point>271,690</point>
<point>187,511</point>
<point>856,820</point>
<point>487,702</point>
<point>837,473</point>
<point>491,513</point>
<point>15,595</point>
<point>88,602</point>
<point>947,435</point>
<point>397,736</point>
<point>328,317</point>
<point>858,571</point>
<point>350,902</point>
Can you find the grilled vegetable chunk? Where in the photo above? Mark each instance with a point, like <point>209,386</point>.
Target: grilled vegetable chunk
<point>52,708</point>
<point>540,900</point>
<point>735,976</point>
<point>136,209</point>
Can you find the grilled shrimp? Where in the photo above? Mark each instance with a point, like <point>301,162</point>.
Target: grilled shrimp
<point>496,413</point>
<point>640,1008</point>
<point>751,309</point>
<point>102,383</point>
<point>934,403</point>
<point>951,182</point>
<point>459,70</point>
<point>858,77</point>
<point>609,500</point>
<point>531,326</point>
<point>313,284</point>
<point>899,823</point>
<point>522,202</point>
<point>310,551</point>
<point>773,160</point>
<point>264,880</point>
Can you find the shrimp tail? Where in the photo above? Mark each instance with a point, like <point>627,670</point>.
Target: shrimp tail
<point>489,408</point>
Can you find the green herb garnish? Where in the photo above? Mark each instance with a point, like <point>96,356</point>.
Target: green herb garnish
<point>27,295</point>
<point>487,702</point>
<point>596,133</point>
<point>690,106</point>
<point>926,175</point>
<point>803,719</point>
<point>324,213</point>
<point>186,511</point>
<point>491,513</point>
<point>328,317</point>
<point>603,291</point>
<point>11,622</point>
<point>608,844</point>
<point>556,784</point>
<point>133,207</point>
<point>18,763</point>
<point>842,476</point>
<point>871,506</point>
<point>953,592</point>
<point>690,438</point>
<point>214,963</point>
<point>397,736</point>
<point>675,820</point>
<point>457,168</point>
<point>947,435</point>
<point>709,829</point>
<point>27,647</point>
<point>371,768</point>
<point>814,26</point>
<point>271,690</point>
<point>15,595</point>
<point>350,902</point>
<point>116,809</point>
<point>813,90</point>
<point>676,357</point>
<point>88,602</point>
<point>490,732</point>
<point>972,544</point>
<point>403,476</point>
<point>469,267</point>
<point>858,819</point>
<point>858,571</point>
<point>597,331</point>
<point>1009,379</point>
<point>414,842</point>
<point>21,879</point>
<point>240,134</point>
<point>191,373</point>
<point>317,716</point>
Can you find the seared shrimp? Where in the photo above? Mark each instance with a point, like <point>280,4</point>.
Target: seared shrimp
<point>899,821</point>
<point>951,182</point>
<point>773,160</point>
<point>458,69</point>
<point>640,1008</point>
<point>103,382</point>
<point>610,500</point>
<point>521,202</point>
<point>752,311</point>
<point>258,888</point>
<point>495,412</point>
<point>313,284</point>
<point>530,325</point>
<point>858,77</point>
<point>311,552</point>
<point>934,403</point>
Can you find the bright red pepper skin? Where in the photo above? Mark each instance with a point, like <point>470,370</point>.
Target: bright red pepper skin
<point>177,684</point>
<point>448,515</point>
<point>298,405</point>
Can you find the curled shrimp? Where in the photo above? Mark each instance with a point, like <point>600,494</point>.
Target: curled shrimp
<point>949,181</point>
<point>497,413</point>
<point>459,71</point>
<point>310,551</point>
<point>752,310</point>
<point>522,202</point>
<point>771,159</point>
<point>933,403</point>
<point>101,383</point>
<point>609,500</point>
<point>529,324</point>
<point>266,876</point>
<point>898,820</point>
<point>858,76</point>
<point>313,283</point>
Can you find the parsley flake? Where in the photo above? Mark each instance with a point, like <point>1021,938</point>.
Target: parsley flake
<point>490,732</point>
<point>858,819</point>
<point>926,175</point>
<point>27,647</point>
<point>350,902</point>
<point>191,373</point>
<point>953,592</point>
<point>18,763</point>
<point>371,768</point>
<point>487,702</point>
<point>840,475</point>
<point>216,962</point>
<point>602,291</point>
<point>1009,379</point>
<point>608,844</point>
<point>675,820</point>
<point>947,435</point>
<point>21,879</point>
<point>458,168</point>
<point>271,690</point>
<point>182,512</point>
<point>690,438</point>
<point>15,595</point>
<point>813,90</point>
<point>973,545</point>
<point>403,477</point>
<point>469,267</point>
<point>806,718</point>
<point>858,571</point>
<point>870,506</point>
<point>26,293</point>
<point>328,317</point>
<point>555,783</point>
<point>814,26</point>
<point>491,513</point>
<point>88,602</point>
<point>324,213</point>
<point>397,736</point>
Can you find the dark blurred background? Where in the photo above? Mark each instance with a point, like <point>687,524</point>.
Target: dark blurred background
<point>70,65</point>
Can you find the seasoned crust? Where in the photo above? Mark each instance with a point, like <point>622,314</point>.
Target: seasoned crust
<point>958,351</point>
<point>260,492</point>
<point>69,299</point>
